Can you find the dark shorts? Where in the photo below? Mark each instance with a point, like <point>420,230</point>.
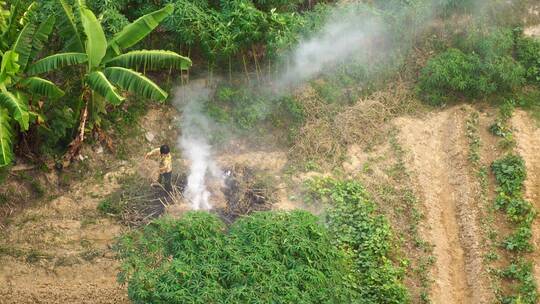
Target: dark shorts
<point>165,181</point>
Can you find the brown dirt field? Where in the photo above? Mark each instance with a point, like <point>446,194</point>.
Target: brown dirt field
<point>527,136</point>
<point>61,252</point>
<point>438,151</point>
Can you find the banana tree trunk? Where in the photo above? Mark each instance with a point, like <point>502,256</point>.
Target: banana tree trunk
<point>75,146</point>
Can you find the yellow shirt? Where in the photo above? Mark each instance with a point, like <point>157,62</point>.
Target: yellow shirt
<point>165,161</point>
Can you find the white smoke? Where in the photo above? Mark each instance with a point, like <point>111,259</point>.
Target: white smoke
<point>345,34</point>
<point>194,142</point>
<point>348,34</point>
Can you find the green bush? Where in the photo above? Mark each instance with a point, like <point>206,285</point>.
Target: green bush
<point>452,72</point>
<point>57,134</point>
<point>268,257</point>
<point>480,64</point>
<point>510,173</point>
<point>488,43</point>
<point>528,53</point>
<point>246,109</point>
<point>506,74</point>
<point>530,100</point>
<point>356,227</point>
<point>294,109</point>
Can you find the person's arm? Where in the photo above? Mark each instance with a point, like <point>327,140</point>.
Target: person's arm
<point>154,152</point>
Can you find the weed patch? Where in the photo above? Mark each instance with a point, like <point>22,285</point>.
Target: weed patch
<point>34,256</point>
<point>481,172</point>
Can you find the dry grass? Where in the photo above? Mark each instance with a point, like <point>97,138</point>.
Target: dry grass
<point>137,203</point>
<point>327,133</point>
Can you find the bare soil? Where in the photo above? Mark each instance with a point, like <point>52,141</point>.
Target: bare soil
<point>527,136</point>
<point>533,31</point>
<point>61,252</point>
<point>58,249</point>
<point>438,157</point>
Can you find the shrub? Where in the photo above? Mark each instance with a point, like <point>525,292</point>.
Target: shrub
<point>480,65</point>
<point>268,257</point>
<point>240,106</point>
<point>246,109</point>
<point>517,209</point>
<point>452,72</point>
<point>506,74</point>
<point>528,54</point>
<point>294,109</point>
<point>488,43</point>
<point>58,132</point>
<point>530,100</point>
<point>356,228</point>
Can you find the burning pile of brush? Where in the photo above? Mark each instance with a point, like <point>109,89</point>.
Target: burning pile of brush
<point>244,191</point>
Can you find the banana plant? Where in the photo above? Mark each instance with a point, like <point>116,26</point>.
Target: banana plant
<point>109,69</point>
<point>20,47</point>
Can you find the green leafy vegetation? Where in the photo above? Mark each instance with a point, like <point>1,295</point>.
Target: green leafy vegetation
<point>481,63</point>
<point>100,68</point>
<point>526,290</point>
<point>266,257</point>
<point>110,206</point>
<point>111,66</point>
<point>241,107</point>
<point>527,50</point>
<point>366,236</point>
<point>22,39</point>
<point>510,173</point>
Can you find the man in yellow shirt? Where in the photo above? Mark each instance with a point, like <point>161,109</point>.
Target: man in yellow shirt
<point>165,165</point>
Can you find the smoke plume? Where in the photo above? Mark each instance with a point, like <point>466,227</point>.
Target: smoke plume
<point>195,145</point>
<point>345,34</point>
<point>349,33</point>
